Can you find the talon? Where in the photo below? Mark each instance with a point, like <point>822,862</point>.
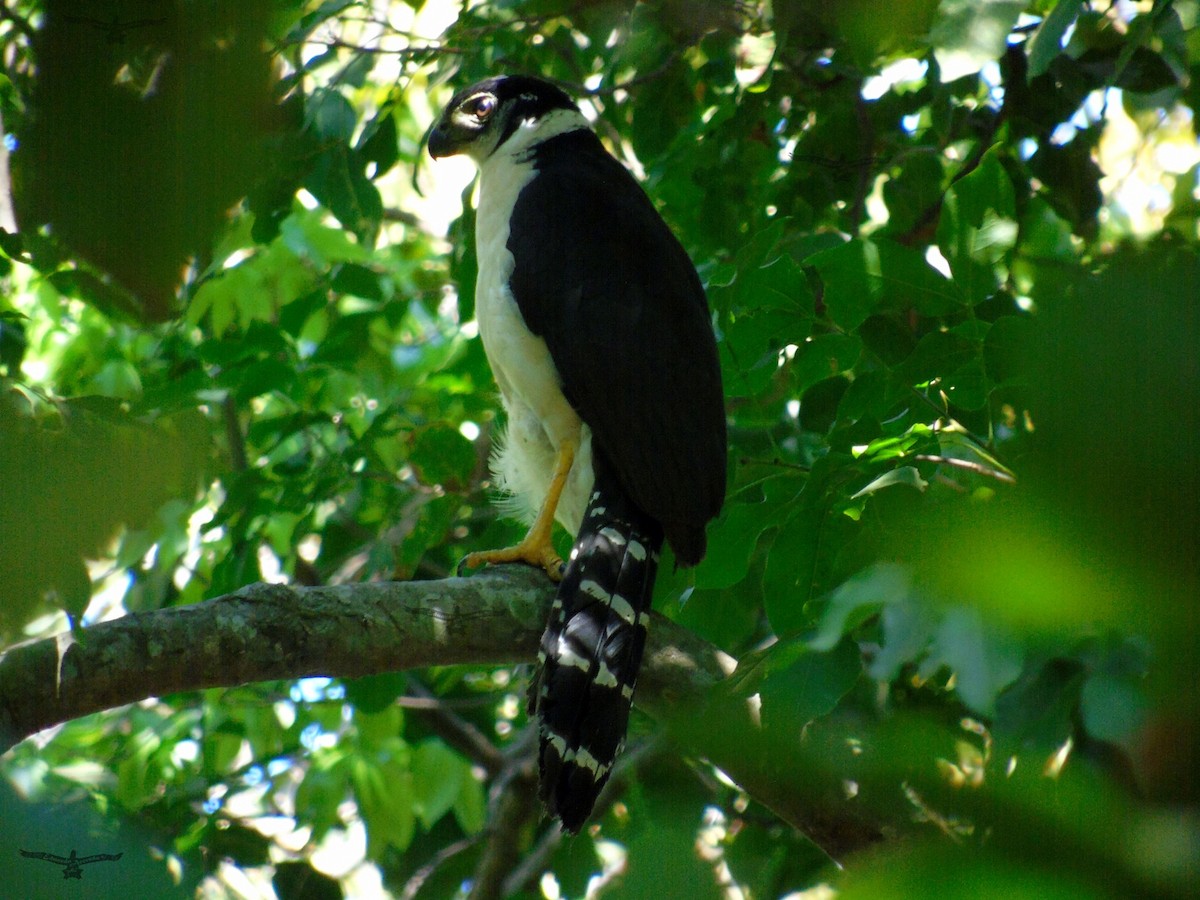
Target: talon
<point>531,552</point>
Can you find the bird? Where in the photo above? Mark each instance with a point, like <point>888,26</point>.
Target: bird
<point>72,865</point>
<point>598,332</point>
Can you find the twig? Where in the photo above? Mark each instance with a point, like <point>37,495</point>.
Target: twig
<point>233,433</point>
<point>514,806</point>
<point>457,731</point>
<point>338,44</point>
<point>404,217</point>
<point>637,80</point>
<point>750,461</point>
<point>969,465</point>
<point>421,704</point>
<point>523,876</point>
<point>413,886</point>
<point>864,179</point>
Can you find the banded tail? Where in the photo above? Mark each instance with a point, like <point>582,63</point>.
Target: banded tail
<point>592,649</point>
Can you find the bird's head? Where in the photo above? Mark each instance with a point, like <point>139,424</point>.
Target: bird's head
<point>484,116</point>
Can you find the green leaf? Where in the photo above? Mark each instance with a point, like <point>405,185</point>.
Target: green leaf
<point>1039,708</point>
<point>860,277</point>
<point>798,562</point>
<point>852,279</point>
<point>977,872</point>
<point>734,535</point>
<point>752,346</point>
<point>859,598</point>
<point>331,115</point>
<point>1071,178</point>
<point>984,659</point>
<point>1047,42</point>
<point>808,688</point>
<point>778,284</point>
<point>11,245</point>
<point>937,354</point>
<point>236,841</point>
<point>321,792</point>
<point>967,388</point>
<point>438,776</point>
<point>386,798</point>
<point>1145,72</point>
<point>907,475</point>
<point>1007,349</point>
<point>470,806</point>
<point>308,237</point>
<point>665,111</point>
<point>907,629</point>
<point>968,34</point>
<point>791,571</point>
<point>988,188</point>
<point>913,192</point>
<point>338,181</point>
<point>379,142</point>
<point>440,455</point>
<point>1114,702</point>
<point>220,747</point>
<point>977,230</point>
<point>373,694</point>
<point>359,281</point>
<point>824,356</point>
<point>910,282</point>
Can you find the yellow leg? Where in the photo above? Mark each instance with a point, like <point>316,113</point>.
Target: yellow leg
<point>536,548</point>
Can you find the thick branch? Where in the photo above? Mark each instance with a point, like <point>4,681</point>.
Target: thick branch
<point>265,632</point>
<point>268,632</point>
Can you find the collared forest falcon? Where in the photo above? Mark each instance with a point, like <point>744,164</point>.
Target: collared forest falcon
<point>597,330</point>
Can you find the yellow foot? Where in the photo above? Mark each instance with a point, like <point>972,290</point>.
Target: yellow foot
<point>531,553</point>
<point>535,548</point>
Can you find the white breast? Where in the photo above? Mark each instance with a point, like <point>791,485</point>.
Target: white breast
<point>539,416</point>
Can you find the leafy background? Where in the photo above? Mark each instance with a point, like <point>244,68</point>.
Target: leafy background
<point>951,251</point>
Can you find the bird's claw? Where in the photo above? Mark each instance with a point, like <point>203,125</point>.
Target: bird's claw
<point>531,554</point>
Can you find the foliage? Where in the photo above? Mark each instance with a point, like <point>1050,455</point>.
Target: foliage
<point>951,250</point>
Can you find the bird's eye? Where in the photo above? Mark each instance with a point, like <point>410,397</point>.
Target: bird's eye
<point>482,107</point>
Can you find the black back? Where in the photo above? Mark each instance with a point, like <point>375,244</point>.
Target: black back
<point>602,279</point>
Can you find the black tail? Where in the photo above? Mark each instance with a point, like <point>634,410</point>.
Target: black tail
<point>592,649</point>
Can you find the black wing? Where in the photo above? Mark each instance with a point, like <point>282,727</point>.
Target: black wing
<point>37,854</point>
<point>99,857</point>
<point>602,279</point>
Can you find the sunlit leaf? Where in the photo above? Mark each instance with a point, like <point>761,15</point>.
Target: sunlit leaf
<point>971,33</point>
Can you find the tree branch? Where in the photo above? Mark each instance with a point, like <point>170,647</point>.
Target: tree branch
<point>266,632</point>
<point>514,806</point>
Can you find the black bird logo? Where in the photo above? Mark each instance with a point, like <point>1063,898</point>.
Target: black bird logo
<point>72,865</point>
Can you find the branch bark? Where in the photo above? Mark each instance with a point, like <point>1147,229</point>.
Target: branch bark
<point>266,632</point>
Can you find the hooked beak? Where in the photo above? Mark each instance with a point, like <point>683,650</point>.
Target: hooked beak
<point>442,141</point>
